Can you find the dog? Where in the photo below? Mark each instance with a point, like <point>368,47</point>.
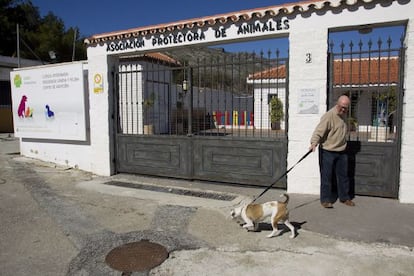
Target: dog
<point>252,214</point>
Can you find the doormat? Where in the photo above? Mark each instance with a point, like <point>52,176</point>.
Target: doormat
<point>172,190</point>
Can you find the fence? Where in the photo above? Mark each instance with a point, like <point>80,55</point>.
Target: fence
<point>216,95</point>
<point>371,75</point>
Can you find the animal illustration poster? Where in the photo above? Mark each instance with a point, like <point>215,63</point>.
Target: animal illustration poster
<point>49,102</point>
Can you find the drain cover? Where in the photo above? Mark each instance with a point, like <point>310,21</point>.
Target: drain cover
<point>177,191</point>
<point>136,256</point>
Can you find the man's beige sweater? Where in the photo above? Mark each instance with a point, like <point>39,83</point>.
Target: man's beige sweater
<point>331,131</point>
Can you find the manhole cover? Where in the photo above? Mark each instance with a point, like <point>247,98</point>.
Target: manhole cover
<point>136,256</point>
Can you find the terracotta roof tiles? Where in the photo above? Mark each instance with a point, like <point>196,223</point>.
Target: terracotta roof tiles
<point>287,8</point>
<point>364,71</point>
<point>272,73</point>
<point>155,56</point>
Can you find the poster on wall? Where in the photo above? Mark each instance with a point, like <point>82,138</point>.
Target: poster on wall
<point>49,102</point>
<point>308,101</point>
<point>97,83</point>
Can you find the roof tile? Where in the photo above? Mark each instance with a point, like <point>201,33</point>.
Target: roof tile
<point>287,8</point>
<point>364,71</point>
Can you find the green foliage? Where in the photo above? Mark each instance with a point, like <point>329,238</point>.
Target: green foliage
<point>390,98</point>
<point>149,102</point>
<point>38,35</point>
<point>352,123</point>
<point>276,110</point>
<point>218,69</point>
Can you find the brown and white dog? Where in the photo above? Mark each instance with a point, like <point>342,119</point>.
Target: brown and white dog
<point>252,214</point>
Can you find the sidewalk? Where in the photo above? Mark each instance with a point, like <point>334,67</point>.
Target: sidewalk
<point>62,221</point>
<point>372,220</point>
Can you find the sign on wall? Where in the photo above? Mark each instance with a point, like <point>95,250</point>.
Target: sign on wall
<point>196,35</point>
<point>308,101</point>
<point>97,83</point>
<point>49,102</point>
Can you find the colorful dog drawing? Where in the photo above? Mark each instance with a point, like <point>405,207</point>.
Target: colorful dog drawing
<point>22,107</point>
<point>49,112</point>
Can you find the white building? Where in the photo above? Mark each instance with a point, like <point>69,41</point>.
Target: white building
<point>307,26</point>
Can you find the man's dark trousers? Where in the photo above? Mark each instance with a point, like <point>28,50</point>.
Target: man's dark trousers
<point>333,169</point>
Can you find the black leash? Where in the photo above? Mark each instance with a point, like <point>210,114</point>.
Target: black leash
<point>300,160</point>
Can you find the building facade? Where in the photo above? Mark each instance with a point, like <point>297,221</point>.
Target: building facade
<point>308,72</point>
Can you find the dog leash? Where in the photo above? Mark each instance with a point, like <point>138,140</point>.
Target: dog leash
<point>271,185</point>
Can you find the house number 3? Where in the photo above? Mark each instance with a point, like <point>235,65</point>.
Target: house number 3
<point>308,58</point>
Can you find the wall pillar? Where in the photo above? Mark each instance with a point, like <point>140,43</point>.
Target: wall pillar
<point>406,191</point>
<point>308,70</point>
<point>101,110</point>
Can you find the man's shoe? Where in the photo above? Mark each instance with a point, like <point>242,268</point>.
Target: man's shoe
<point>327,205</point>
<point>348,202</point>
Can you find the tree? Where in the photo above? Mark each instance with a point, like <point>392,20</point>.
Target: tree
<point>38,36</point>
<point>14,12</point>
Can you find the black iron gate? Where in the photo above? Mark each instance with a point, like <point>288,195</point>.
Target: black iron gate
<point>371,75</point>
<point>219,118</point>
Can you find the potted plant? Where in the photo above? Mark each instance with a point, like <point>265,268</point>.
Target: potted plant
<point>148,103</point>
<point>352,124</point>
<point>276,112</point>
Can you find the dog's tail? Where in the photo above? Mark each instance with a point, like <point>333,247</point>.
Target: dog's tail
<point>286,198</point>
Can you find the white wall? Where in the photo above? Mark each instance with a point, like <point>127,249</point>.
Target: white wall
<point>132,114</point>
<point>406,193</point>
<point>101,111</point>
<point>76,156</point>
<point>63,152</point>
<point>305,177</point>
<point>94,154</point>
<point>261,108</point>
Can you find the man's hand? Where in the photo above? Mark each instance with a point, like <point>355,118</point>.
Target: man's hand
<point>313,147</point>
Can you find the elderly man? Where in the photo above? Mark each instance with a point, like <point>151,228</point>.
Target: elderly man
<point>330,134</point>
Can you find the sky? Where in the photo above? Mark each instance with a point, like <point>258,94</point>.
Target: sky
<point>96,17</point>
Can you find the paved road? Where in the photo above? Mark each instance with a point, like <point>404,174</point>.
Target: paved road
<point>62,221</point>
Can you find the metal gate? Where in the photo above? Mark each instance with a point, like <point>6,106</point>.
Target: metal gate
<point>372,76</point>
<point>207,118</point>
